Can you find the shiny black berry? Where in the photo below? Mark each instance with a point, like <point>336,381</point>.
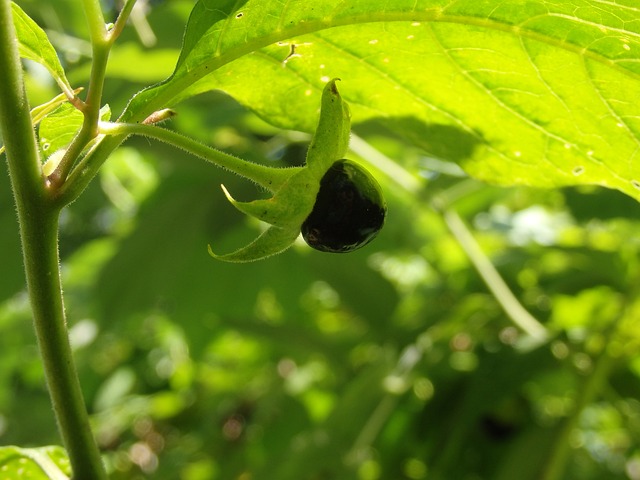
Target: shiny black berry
<point>349,210</point>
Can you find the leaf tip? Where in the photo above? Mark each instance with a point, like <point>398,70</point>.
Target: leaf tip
<point>332,85</point>
<point>227,194</point>
<point>272,241</point>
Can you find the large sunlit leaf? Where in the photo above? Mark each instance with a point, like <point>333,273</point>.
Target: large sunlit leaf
<point>34,463</point>
<point>520,92</point>
<point>33,44</point>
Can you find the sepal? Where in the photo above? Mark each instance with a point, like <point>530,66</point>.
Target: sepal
<point>294,201</point>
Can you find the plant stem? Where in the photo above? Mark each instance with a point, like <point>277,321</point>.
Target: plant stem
<point>496,284</point>
<point>38,221</point>
<point>396,172</point>
<point>40,250</point>
<point>101,46</point>
<point>121,20</point>
<point>95,20</point>
<point>269,177</point>
<point>513,308</point>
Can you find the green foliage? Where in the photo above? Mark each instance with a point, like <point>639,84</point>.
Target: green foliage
<point>34,463</point>
<point>34,45</point>
<point>556,76</point>
<point>401,360</point>
<point>58,128</point>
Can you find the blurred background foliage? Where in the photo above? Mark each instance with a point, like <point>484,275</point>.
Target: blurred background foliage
<point>392,362</point>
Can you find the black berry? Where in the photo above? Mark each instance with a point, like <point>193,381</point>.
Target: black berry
<point>349,210</point>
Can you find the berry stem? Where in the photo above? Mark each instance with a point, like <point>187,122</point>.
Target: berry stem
<point>270,178</point>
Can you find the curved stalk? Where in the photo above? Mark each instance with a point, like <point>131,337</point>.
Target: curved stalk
<point>269,177</point>
<point>38,222</point>
<point>500,290</point>
<point>492,278</point>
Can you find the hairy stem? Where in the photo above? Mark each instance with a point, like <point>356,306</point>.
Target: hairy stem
<point>269,177</point>
<point>121,20</point>
<point>40,249</point>
<point>38,221</point>
<point>101,46</point>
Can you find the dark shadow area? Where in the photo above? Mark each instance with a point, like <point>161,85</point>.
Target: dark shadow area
<point>586,203</point>
<point>441,141</point>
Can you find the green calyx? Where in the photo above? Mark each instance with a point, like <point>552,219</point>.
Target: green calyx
<point>293,201</point>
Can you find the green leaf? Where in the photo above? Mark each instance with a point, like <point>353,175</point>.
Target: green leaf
<point>516,93</point>
<point>34,463</point>
<point>33,44</point>
<point>41,111</point>
<point>59,127</point>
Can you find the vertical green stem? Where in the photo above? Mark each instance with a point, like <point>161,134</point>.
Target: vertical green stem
<point>39,235</point>
<point>95,19</point>
<point>38,221</point>
<point>101,46</point>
